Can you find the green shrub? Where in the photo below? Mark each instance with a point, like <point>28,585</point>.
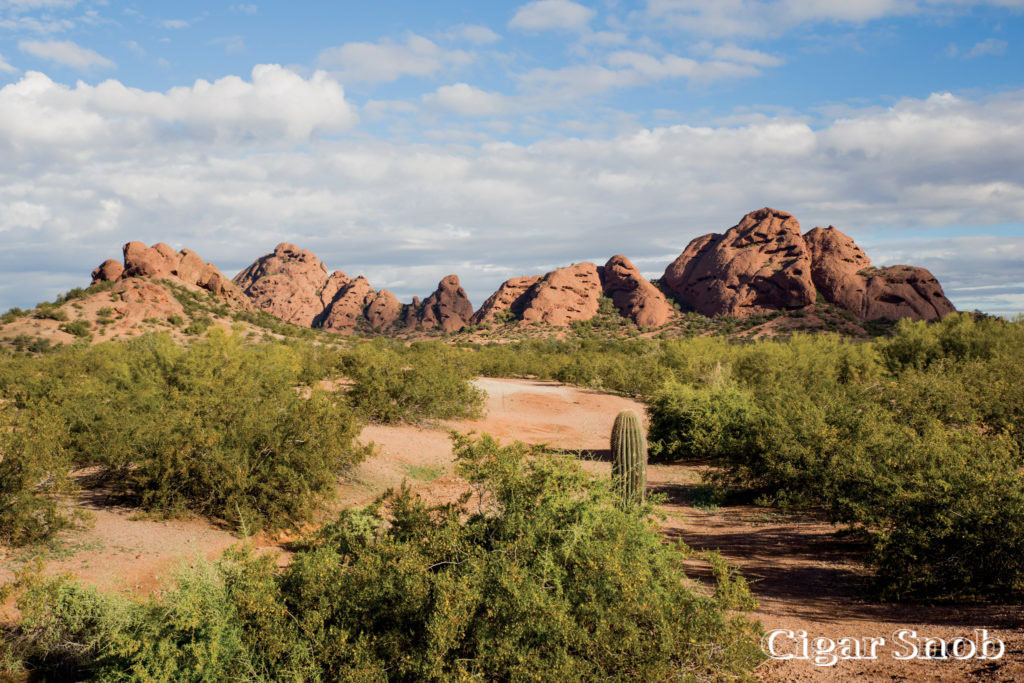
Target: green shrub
<point>11,315</point>
<point>691,423</point>
<point>33,476</point>
<point>428,381</point>
<point>78,328</point>
<point>217,428</point>
<point>198,325</point>
<point>548,579</point>
<point>47,312</point>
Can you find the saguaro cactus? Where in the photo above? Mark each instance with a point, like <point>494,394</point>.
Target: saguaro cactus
<point>629,457</point>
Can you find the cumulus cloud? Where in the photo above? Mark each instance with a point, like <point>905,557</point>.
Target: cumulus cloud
<point>84,169</point>
<point>37,113</point>
<point>386,61</point>
<point>546,15</point>
<point>67,53</point>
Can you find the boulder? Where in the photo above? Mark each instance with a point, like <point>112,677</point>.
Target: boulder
<point>108,271</point>
<point>633,295</point>
<point>758,266</point>
<point>843,274</point>
<point>156,262</point>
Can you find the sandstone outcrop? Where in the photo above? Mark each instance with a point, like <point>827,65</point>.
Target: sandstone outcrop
<point>564,295</point>
<point>383,311</point>
<point>634,297</point>
<point>348,306</point>
<point>108,271</point>
<point>161,262</point>
<point>510,296</point>
<point>758,266</point>
<point>843,274</point>
<point>287,283</point>
<point>448,308</point>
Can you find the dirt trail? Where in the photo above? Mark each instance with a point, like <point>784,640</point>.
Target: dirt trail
<point>805,575</point>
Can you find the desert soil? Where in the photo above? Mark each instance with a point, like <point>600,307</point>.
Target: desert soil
<point>805,576</point>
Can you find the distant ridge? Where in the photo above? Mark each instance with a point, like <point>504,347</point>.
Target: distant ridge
<point>761,265</point>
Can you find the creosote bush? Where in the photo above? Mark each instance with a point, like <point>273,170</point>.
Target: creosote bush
<point>537,575</point>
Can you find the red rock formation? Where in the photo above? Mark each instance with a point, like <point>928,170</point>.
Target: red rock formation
<point>287,284</point>
<point>511,296</point>
<point>383,311</point>
<point>843,274</point>
<point>448,308</point>
<point>349,305</point>
<point>108,271</point>
<point>564,295</point>
<point>161,262</point>
<point>758,266</point>
<point>634,297</point>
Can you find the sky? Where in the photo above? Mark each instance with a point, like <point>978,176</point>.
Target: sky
<point>406,140</point>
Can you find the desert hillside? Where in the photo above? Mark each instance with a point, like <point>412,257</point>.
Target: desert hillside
<point>762,277</point>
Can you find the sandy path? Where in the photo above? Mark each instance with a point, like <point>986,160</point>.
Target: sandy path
<point>804,575</point>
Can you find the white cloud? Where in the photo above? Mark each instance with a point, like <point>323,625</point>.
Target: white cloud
<point>5,67</point>
<point>387,61</point>
<point>245,9</point>
<point>174,24</point>
<point>475,34</point>
<point>773,17</point>
<point>27,5</point>
<point>732,53</point>
<point>464,99</point>
<point>630,69</point>
<point>544,15</point>
<point>989,47</point>
<point>67,53</point>
<point>276,104</point>
<point>140,165</point>
<point>673,66</point>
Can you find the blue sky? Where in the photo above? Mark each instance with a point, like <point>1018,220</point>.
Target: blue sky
<point>408,140</point>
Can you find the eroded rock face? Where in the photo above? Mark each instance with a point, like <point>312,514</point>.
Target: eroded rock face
<point>347,309</point>
<point>161,262</point>
<point>843,274</point>
<point>448,308</point>
<point>758,266</point>
<point>564,295</point>
<point>633,295</point>
<point>287,283</point>
<point>383,311</point>
<point>510,296</point>
<point>108,271</point>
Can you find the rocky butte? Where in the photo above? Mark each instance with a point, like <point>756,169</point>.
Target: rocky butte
<point>761,265</point>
